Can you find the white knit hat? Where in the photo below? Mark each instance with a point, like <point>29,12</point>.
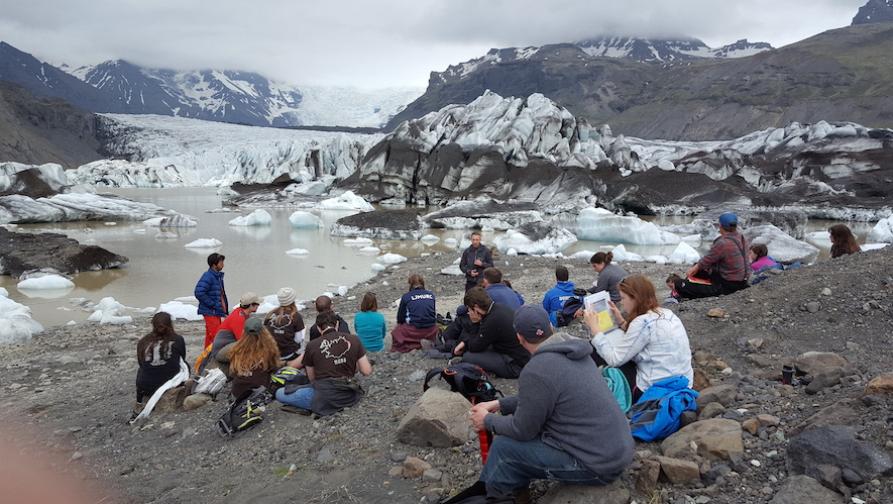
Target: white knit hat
<point>286,296</point>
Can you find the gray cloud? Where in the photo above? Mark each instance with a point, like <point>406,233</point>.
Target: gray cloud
<point>378,43</point>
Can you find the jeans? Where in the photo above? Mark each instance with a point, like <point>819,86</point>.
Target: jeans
<point>300,398</point>
<point>497,364</point>
<point>512,465</point>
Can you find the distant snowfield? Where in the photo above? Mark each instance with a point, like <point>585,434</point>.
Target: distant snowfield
<point>348,106</point>
<point>174,151</point>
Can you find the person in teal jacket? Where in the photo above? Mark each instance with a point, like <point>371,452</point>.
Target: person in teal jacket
<point>370,324</point>
<point>554,300</point>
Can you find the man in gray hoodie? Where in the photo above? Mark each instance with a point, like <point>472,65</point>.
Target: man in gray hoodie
<point>564,424</point>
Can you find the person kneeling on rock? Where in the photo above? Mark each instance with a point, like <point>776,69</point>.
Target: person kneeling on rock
<point>495,348</point>
<point>331,362</point>
<point>158,354</point>
<point>563,425</point>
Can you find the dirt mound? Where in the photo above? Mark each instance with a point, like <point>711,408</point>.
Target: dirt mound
<point>21,252</point>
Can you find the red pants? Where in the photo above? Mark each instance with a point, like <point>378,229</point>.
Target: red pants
<point>406,337</point>
<point>211,326</point>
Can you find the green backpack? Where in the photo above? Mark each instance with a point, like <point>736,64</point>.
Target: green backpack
<point>619,387</point>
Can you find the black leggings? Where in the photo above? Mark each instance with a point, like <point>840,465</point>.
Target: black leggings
<point>691,290</point>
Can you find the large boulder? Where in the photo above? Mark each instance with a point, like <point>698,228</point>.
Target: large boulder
<point>22,252</point>
<point>816,363</point>
<point>714,439</point>
<point>836,446</point>
<point>800,489</point>
<point>439,418</point>
<point>614,493</point>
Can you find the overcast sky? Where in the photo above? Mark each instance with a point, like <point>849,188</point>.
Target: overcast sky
<point>376,43</point>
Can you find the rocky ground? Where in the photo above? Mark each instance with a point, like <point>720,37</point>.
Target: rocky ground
<point>73,388</point>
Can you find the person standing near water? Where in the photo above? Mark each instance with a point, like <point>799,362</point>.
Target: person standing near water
<point>475,259</point>
<point>211,295</point>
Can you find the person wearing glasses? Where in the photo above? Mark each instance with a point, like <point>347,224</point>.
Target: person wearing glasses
<point>232,328</point>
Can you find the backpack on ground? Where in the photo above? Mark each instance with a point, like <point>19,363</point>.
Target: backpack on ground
<point>468,379</point>
<point>244,413</point>
<point>290,379</point>
<point>658,413</point>
<point>565,315</point>
<point>619,387</point>
<point>210,383</point>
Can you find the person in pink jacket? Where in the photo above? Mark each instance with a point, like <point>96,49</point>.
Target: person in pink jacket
<point>760,260</point>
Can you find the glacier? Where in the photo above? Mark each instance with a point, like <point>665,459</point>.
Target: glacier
<point>161,151</point>
<point>598,224</point>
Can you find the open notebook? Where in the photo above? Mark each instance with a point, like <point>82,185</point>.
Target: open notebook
<point>598,303</point>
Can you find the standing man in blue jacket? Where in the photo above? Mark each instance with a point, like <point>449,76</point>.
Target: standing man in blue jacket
<point>212,302</point>
<point>554,300</point>
<point>475,259</point>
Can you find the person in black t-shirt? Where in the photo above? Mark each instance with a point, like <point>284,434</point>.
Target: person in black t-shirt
<point>158,355</point>
<point>324,304</point>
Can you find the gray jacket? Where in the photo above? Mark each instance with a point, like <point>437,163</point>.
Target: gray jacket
<point>564,401</point>
<point>609,280</point>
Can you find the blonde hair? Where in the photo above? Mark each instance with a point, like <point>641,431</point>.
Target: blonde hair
<point>255,352</point>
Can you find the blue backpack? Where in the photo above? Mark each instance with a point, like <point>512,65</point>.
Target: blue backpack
<point>658,413</point>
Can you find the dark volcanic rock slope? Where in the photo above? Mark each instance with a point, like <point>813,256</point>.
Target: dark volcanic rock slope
<point>21,252</point>
<point>838,75</point>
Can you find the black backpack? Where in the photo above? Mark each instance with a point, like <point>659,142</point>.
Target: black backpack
<point>244,413</point>
<point>566,314</point>
<point>468,379</point>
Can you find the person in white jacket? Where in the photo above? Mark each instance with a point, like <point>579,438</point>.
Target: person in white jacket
<point>651,337</point>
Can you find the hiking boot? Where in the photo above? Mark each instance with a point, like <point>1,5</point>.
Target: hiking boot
<point>523,496</point>
<point>294,409</point>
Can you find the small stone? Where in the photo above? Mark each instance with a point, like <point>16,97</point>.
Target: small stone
<point>195,401</point>
<point>767,420</point>
<point>755,463</point>
<point>395,471</point>
<point>397,456</point>
<point>647,476</point>
<point>712,410</point>
<point>755,343</point>
<point>882,384</point>
<point>751,425</point>
<point>432,475</point>
<point>679,471</point>
<point>76,456</point>
<point>413,467</point>
<point>723,394</point>
<point>716,313</point>
<point>813,306</point>
<point>826,291</point>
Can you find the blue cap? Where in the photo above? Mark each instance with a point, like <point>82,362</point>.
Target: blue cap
<point>532,322</point>
<point>728,220</point>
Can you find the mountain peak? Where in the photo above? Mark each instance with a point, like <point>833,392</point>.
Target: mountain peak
<point>875,11</point>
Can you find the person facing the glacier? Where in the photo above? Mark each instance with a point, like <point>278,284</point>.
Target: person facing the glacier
<point>232,328</point>
<point>475,259</point>
<point>286,325</point>
<point>651,343</point>
<point>843,241</point>
<point>495,347</point>
<point>158,354</point>
<point>563,425</point>
<point>498,291</point>
<point>760,260</point>
<point>725,265</point>
<point>555,298</point>
<point>609,275</point>
<point>416,317</point>
<point>211,295</point>
<point>324,304</point>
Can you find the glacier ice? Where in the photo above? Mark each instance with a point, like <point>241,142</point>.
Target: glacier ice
<point>346,201</point>
<point>259,217</point>
<point>108,311</point>
<point>782,246</point>
<point>598,224</point>
<point>16,324</point>
<point>882,231</point>
<point>390,259</point>
<point>298,252</point>
<point>684,254</point>
<point>554,241</point>
<point>179,310</point>
<point>429,239</point>
<point>45,282</point>
<point>204,243</point>
<point>171,221</point>
<point>622,255</point>
<point>304,220</point>
<point>67,207</point>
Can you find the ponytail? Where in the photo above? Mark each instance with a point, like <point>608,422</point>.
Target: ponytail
<point>602,258</point>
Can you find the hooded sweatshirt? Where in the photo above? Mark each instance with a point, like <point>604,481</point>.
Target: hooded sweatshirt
<point>554,300</point>
<point>564,402</point>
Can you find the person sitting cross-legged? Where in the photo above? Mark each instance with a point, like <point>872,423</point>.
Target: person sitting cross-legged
<point>563,425</point>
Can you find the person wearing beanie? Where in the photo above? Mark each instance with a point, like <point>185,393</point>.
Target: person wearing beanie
<point>725,267</point>
<point>254,358</point>
<point>563,425</point>
<point>495,347</point>
<point>231,329</point>
<point>286,325</point>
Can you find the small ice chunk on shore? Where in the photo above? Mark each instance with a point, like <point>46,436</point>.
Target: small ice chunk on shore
<point>622,255</point>
<point>429,239</point>
<point>179,310</point>
<point>108,311</point>
<point>16,324</point>
<point>346,201</point>
<point>882,231</point>
<point>684,254</point>
<point>297,252</point>
<point>358,242</point>
<point>391,259</point>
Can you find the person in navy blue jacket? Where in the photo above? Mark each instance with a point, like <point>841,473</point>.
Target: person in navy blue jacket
<point>554,300</point>
<point>211,295</point>
<point>499,292</point>
<point>416,317</point>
